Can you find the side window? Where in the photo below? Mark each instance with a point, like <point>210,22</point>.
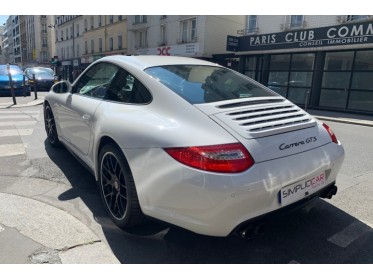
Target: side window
<point>95,81</point>
<point>127,89</point>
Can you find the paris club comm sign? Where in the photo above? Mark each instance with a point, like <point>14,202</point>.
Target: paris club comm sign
<point>346,34</point>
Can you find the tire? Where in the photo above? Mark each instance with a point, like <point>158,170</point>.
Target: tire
<point>117,188</point>
<point>50,127</point>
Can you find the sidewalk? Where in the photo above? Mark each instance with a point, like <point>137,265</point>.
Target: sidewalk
<point>356,119</point>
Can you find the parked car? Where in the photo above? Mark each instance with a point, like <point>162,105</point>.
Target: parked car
<point>20,83</point>
<point>45,78</point>
<point>191,143</point>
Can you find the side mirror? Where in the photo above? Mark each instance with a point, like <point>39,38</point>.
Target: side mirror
<point>62,87</point>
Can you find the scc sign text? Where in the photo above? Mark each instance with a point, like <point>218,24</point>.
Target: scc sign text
<point>164,51</point>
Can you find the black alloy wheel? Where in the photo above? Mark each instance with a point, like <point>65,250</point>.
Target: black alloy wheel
<point>117,188</point>
<point>50,127</point>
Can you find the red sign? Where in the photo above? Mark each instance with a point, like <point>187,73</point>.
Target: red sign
<point>164,51</point>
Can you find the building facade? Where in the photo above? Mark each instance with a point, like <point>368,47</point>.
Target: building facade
<point>187,35</point>
<point>84,39</point>
<point>69,31</point>
<point>28,41</point>
<point>324,62</point>
<point>2,55</point>
<point>104,35</point>
<point>40,45</point>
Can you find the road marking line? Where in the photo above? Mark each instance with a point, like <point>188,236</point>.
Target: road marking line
<point>20,116</point>
<point>16,132</point>
<point>19,112</point>
<point>18,123</point>
<point>12,150</point>
<point>350,234</point>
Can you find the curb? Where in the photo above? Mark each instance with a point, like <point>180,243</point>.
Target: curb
<point>347,121</point>
<point>71,240</point>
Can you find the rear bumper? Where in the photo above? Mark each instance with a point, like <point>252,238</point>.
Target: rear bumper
<point>216,204</point>
<point>323,193</point>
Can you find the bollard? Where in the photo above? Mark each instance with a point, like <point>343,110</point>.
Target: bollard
<point>11,85</point>
<point>35,87</point>
<point>24,86</point>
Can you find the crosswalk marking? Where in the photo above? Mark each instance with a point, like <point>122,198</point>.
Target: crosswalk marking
<point>14,123</point>
<point>18,123</point>
<point>12,150</point>
<point>6,112</point>
<point>16,132</point>
<point>20,116</point>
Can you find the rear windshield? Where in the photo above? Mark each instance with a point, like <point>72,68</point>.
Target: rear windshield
<point>42,71</point>
<point>204,84</point>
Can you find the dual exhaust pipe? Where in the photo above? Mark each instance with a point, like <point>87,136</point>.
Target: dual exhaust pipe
<point>250,230</point>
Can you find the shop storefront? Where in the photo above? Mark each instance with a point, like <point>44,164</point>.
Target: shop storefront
<point>327,68</point>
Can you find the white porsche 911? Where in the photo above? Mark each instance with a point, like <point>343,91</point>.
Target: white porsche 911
<point>190,143</point>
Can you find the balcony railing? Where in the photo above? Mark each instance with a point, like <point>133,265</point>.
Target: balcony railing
<point>248,31</point>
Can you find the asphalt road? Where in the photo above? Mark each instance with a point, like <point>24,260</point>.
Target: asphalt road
<point>326,232</point>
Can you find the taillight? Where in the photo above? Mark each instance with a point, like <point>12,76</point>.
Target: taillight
<point>331,133</point>
<point>227,158</point>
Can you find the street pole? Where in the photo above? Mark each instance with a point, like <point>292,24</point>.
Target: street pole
<point>35,87</point>
<point>11,85</point>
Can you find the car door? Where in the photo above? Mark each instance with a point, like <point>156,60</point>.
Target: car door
<point>76,115</point>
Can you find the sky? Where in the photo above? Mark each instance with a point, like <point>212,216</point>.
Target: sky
<point>3,19</point>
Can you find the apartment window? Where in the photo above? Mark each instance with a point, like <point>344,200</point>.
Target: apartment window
<point>77,50</point>
<point>120,40</point>
<point>71,32</point>
<point>120,18</point>
<point>100,45</point>
<point>61,35</point>
<point>77,30</point>
<point>44,43</point>
<point>142,40</point>
<point>111,44</point>
<point>163,35</point>
<point>92,22</point>
<point>111,19</point>
<point>44,28</point>
<point>99,21</point>
<point>188,30</point>
<point>184,31</point>
<point>72,51</point>
<point>356,17</point>
<point>193,31</point>
<point>252,23</point>
<point>85,25</point>
<point>86,47</point>
<point>296,21</point>
<point>67,53</point>
<point>92,46</point>
<point>141,19</point>
<point>67,33</point>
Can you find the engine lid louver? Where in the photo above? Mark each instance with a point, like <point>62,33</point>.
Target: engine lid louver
<point>265,118</point>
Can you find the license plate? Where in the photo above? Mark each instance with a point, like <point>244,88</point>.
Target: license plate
<point>297,191</point>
